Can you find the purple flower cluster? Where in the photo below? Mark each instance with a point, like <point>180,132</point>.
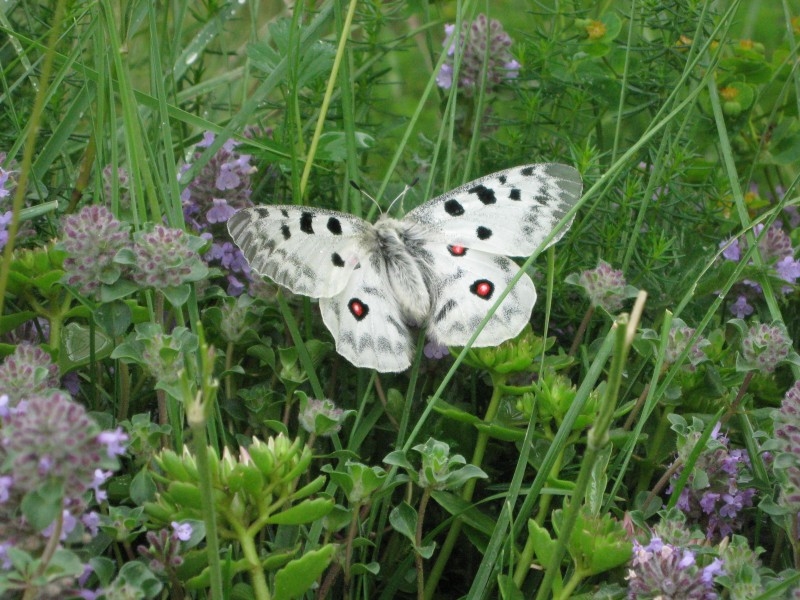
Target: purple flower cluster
<point>712,497</point>
<point>660,570</point>
<point>331,421</point>
<point>764,347</point>
<point>29,370</point>
<point>123,182</point>
<point>482,41</point>
<point>92,237</point>
<point>220,189</point>
<point>787,436</point>
<point>605,286</point>
<point>163,552</point>
<point>163,257</point>
<point>5,220</point>
<point>50,438</point>
<point>678,340</point>
<point>7,183</point>
<point>776,251</point>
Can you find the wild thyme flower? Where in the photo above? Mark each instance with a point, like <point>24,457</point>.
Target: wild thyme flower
<point>483,40</point>
<point>435,351</point>
<point>26,372</point>
<point>764,347</point>
<point>7,182</point>
<point>220,189</point>
<point>605,286</point>
<point>777,253</point>
<point>331,421</point>
<point>5,220</point>
<point>91,238</point>
<point>741,308</point>
<point>52,437</point>
<point>163,357</point>
<point>123,183</point>
<point>787,438</point>
<point>164,550</point>
<point>660,570</point>
<point>164,257</point>
<point>679,336</point>
<point>233,323</point>
<point>712,496</point>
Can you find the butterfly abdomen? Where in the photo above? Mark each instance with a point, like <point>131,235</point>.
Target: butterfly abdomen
<point>407,268</point>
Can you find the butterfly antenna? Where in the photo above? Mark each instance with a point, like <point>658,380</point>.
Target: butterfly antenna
<point>356,187</point>
<point>402,194</point>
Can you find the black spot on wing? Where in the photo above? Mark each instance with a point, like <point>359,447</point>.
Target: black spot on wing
<point>334,226</point>
<point>485,195</point>
<point>453,208</point>
<point>446,308</point>
<point>284,213</point>
<point>285,231</point>
<point>502,179</point>
<point>337,260</point>
<point>262,211</point>
<point>528,171</point>
<point>306,225</point>
<point>514,194</point>
<point>484,233</point>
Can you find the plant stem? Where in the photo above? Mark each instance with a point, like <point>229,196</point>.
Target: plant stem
<point>498,381</point>
<point>423,504</point>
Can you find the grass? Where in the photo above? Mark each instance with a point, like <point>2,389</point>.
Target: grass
<point>552,461</point>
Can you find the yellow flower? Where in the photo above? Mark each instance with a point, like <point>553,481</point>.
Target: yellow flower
<point>596,30</point>
<point>729,93</point>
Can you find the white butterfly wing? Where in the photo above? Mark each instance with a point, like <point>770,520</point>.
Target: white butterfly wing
<point>468,283</point>
<point>310,251</point>
<point>509,212</point>
<point>366,321</point>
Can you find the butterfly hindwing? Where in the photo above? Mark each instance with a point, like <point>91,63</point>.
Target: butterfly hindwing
<point>468,284</point>
<point>310,251</point>
<point>509,212</point>
<point>366,322</point>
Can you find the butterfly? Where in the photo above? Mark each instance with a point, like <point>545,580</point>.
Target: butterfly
<point>441,266</point>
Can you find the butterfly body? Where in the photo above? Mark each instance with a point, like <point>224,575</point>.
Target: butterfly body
<point>440,267</point>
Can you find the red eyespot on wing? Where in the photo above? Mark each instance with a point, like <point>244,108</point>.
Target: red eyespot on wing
<point>358,309</point>
<point>482,288</point>
<point>456,250</point>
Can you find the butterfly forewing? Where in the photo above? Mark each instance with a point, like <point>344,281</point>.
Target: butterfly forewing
<point>509,212</point>
<point>310,251</point>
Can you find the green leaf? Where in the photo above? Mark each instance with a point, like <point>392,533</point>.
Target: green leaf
<point>305,512</point>
<point>333,145</point>
<point>403,520</point>
<point>114,318</point>
<point>120,289</point>
<point>138,578</point>
<point>372,568</point>
<point>41,506</point>
<point>76,349</point>
<point>46,282</point>
<point>508,589</point>
<point>299,575</point>
<point>543,544</point>
<point>398,458</point>
<point>143,488</point>
<point>177,295</point>
<point>11,322</point>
